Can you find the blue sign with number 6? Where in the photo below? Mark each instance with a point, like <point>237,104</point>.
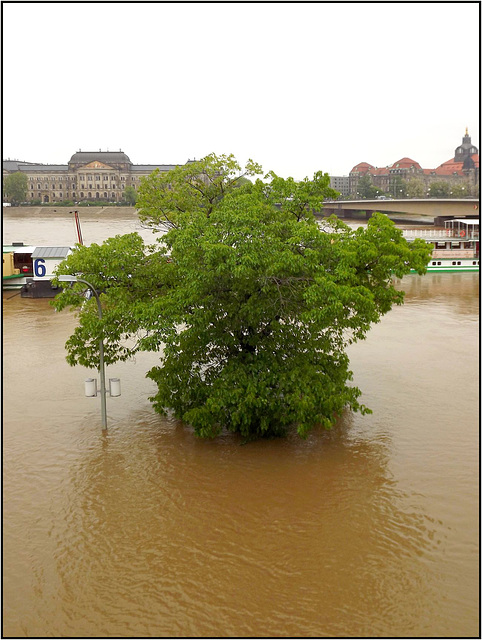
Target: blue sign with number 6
<point>39,268</point>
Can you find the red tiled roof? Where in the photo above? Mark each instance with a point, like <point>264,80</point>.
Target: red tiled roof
<point>446,168</point>
<point>362,167</point>
<point>451,166</point>
<point>406,163</point>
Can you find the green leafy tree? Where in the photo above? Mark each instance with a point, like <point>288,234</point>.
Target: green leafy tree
<point>366,189</point>
<point>461,189</point>
<point>415,188</point>
<point>398,187</point>
<point>130,195</point>
<point>15,187</point>
<point>440,189</point>
<point>250,303</point>
<point>164,198</point>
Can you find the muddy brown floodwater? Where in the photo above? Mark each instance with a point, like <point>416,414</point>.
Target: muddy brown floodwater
<point>369,530</point>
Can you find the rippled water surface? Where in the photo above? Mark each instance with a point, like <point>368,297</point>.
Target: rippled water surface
<point>368,530</point>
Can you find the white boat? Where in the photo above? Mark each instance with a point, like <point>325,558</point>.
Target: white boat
<point>456,247</point>
<point>31,268</point>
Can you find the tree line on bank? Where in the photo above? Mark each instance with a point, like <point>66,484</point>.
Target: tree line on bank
<point>415,188</point>
<point>249,302</point>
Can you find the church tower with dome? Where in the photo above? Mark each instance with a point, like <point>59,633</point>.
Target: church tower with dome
<point>466,149</point>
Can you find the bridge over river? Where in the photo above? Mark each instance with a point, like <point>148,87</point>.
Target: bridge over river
<point>437,209</point>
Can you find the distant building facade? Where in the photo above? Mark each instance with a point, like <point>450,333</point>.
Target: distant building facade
<point>89,175</point>
<point>340,184</point>
<point>462,169</point>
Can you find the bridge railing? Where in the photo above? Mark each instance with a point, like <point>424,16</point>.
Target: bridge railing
<point>440,233</point>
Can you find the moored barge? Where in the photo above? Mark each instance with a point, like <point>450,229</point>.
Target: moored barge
<point>30,269</point>
<point>456,247</point>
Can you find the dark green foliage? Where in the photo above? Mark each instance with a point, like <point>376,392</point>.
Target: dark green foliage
<point>440,189</point>
<point>130,196</point>
<point>15,187</point>
<point>366,189</point>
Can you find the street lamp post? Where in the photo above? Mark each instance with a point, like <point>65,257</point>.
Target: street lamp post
<point>103,407</point>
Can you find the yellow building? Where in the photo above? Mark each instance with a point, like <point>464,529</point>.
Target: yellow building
<point>89,176</point>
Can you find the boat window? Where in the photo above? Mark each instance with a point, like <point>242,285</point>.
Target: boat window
<point>474,261</point>
<point>453,262</point>
<point>458,262</point>
<point>434,263</point>
<point>439,263</point>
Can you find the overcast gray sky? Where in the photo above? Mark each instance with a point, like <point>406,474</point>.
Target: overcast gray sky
<point>297,87</point>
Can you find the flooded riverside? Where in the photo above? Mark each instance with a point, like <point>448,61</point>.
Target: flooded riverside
<point>368,530</point>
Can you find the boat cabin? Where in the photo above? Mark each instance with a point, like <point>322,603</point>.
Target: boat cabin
<point>17,260</point>
<point>45,259</point>
<point>463,228</point>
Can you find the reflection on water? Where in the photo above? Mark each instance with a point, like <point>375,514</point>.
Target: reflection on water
<point>460,292</point>
<point>235,540</point>
<point>369,530</point>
